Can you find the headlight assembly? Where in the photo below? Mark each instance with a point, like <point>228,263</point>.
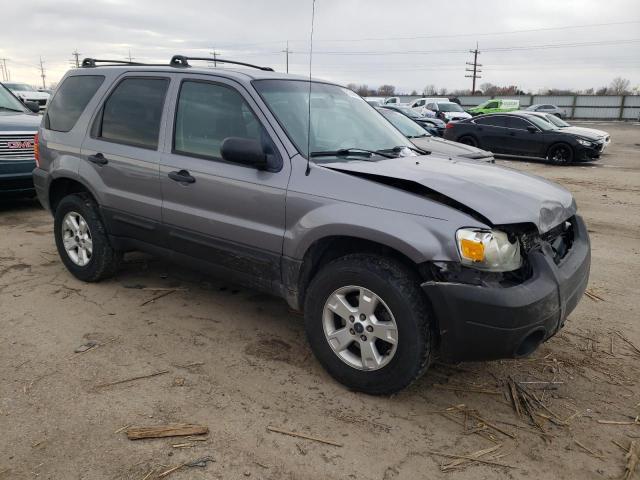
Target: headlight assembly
<point>584,143</point>
<point>489,250</point>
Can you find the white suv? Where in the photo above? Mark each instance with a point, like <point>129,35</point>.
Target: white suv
<point>27,93</point>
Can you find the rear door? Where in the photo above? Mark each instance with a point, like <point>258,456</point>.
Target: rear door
<point>492,132</point>
<point>229,215</point>
<point>121,155</point>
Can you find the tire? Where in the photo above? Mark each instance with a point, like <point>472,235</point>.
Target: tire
<point>468,140</point>
<point>560,154</point>
<point>102,260</point>
<point>400,301</point>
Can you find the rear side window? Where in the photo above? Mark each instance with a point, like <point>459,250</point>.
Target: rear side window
<point>492,105</point>
<point>132,113</point>
<point>491,121</point>
<point>207,114</point>
<point>517,123</point>
<point>70,101</point>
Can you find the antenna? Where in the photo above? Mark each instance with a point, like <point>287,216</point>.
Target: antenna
<point>313,15</point>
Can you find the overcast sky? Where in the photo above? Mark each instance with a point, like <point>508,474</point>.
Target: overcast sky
<point>534,44</point>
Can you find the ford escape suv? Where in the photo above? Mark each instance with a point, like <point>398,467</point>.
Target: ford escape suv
<point>300,188</point>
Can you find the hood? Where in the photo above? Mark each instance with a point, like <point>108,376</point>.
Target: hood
<point>31,95</point>
<point>432,121</point>
<point>447,148</point>
<point>19,122</point>
<point>497,194</point>
<point>456,115</point>
<point>589,133</point>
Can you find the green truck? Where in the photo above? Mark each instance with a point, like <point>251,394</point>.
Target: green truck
<point>495,105</point>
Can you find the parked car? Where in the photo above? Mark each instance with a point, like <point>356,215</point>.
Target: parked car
<point>18,126</point>
<point>446,111</point>
<point>419,103</point>
<point>495,105</point>
<point>393,256</point>
<point>392,101</point>
<point>546,108</point>
<point>27,93</point>
<point>428,143</point>
<point>434,126</point>
<point>599,136</point>
<point>524,134</point>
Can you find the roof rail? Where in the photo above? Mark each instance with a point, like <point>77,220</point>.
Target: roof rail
<point>183,61</point>
<point>91,62</point>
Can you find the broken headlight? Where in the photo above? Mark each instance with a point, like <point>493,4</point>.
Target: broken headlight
<point>489,250</point>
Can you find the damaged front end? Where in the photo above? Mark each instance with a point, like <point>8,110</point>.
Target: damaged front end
<point>485,315</point>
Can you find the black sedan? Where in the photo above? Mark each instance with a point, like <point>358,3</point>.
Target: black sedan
<point>434,126</point>
<point>523,134</point>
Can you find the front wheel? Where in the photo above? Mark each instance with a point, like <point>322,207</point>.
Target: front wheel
<point>468,140</point>
<point>560,154</point>
<point>368,323</point>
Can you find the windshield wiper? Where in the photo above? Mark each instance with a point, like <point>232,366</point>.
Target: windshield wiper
<point>346,152</point>
<point>399,148</point>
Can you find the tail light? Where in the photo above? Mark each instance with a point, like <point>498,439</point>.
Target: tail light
<point>450,125</point>
<point>36,150</point>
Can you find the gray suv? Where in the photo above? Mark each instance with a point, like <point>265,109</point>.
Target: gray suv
<point>301,189</point>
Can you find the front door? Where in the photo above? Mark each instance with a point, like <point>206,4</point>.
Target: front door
<point>231,216</point>
<point>521,141</point>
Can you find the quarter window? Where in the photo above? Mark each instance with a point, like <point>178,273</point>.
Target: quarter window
<point>207,114</point>
<point>70,101</point>
<point>132,113</point>
<point>494,121</point>
<point>517,123</point>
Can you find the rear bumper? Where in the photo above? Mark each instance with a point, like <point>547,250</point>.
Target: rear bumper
<point>15,177</point>
<point>484,323</point>
<point>41,185</point>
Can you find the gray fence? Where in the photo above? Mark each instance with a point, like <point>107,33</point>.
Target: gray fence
<point>601,107</point>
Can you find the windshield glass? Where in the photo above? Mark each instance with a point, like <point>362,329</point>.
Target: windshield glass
<point>22,87</point>
<point>558,122</point>
<point>543,124</point>
<point>9,102</point>
<point>409,112</point>
<point>340,119</point>
<point>450,107</point>
<point>408,127</point>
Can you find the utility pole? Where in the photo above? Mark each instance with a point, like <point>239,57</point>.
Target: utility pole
<point>475,69</point>
<point>130,57</point>
<point>76,54</point>
<point>287,52</point>
<point>214,54</point>
<point>5,72</point>
<point>42,74</point>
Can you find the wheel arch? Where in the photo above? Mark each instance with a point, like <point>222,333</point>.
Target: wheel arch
<point>62,186</point>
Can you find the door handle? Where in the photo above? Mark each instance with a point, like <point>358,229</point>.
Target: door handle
<point>98,159</point>
<point>182,176</point>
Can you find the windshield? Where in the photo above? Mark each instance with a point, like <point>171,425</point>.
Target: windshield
<point>408,127</point>
<point>558,122</point>
<point>340,119</point>
<point>543,124</point>
<point>9,102</point>
<point>22,87</point>
<point>409,112</point>
<point>450,107</point>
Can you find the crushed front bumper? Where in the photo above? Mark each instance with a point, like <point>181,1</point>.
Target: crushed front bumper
<point>484,323</point>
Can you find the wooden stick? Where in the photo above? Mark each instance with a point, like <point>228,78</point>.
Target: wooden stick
<point>628,342</point>
<point>633,458</point>
<point>302,435</point>
<point>615,422</point>
<point>171,470</point>
<point>479,418</point>
<point>176,430</point>
<point>587,449</point>
<point>466,457</point>
<point>157,297</point>
<point>478,454</point>
<point>460,388</point>
<point>140,377</point>
<point>122,428</point>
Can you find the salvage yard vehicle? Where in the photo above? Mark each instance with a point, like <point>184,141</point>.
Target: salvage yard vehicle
<point>18,127</point>
<point>435,126</point>
<point>600,136</point>
<point>546,108</point>
<point>27,93</point>
<point>446,111</point>
<point>495,106</point>
<point>430,144</point>
<point>301,189</point>
<point>524,134</point>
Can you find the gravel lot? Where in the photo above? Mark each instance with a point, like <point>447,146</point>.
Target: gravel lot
<point>237,361</point>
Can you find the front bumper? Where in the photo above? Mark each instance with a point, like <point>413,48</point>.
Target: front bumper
<point>484,323</point>
<point>15,177</point>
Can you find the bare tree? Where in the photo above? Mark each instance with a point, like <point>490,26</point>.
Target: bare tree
<point>413,93</point>
<point>602,91</point>
<point>443,91</point>
<point>429,90</point>
<point>620,86</point>
<point>352,86</point>
<point>363,90</point>
<point>386,90</point>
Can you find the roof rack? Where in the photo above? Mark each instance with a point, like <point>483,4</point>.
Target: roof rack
<point>91,62</point>
<point>183,61</point>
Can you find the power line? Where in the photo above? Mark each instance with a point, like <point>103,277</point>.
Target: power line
<point>475,69</point>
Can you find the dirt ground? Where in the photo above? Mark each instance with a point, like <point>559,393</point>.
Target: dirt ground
<point>237,361</point>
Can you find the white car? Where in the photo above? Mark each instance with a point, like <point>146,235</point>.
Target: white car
<point>419,104</point>
<point>445,111</point>
<point>27,93</point>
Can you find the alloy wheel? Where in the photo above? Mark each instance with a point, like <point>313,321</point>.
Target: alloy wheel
<point>76,238</point>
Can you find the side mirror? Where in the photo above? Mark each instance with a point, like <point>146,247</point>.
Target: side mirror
<point>244,151</point>
<point>33,106</point>
<point>532,129</point>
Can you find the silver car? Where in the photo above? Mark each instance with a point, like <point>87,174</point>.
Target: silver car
<point>546,108</point>
<point>303,190</point>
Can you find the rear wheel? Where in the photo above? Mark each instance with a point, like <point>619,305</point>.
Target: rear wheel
<point>468,140</point>
<point>560,154</point>
<point>82,240</point>
<point>368,323</point>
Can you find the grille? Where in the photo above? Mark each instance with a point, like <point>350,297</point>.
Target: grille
<point>16,146</point>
